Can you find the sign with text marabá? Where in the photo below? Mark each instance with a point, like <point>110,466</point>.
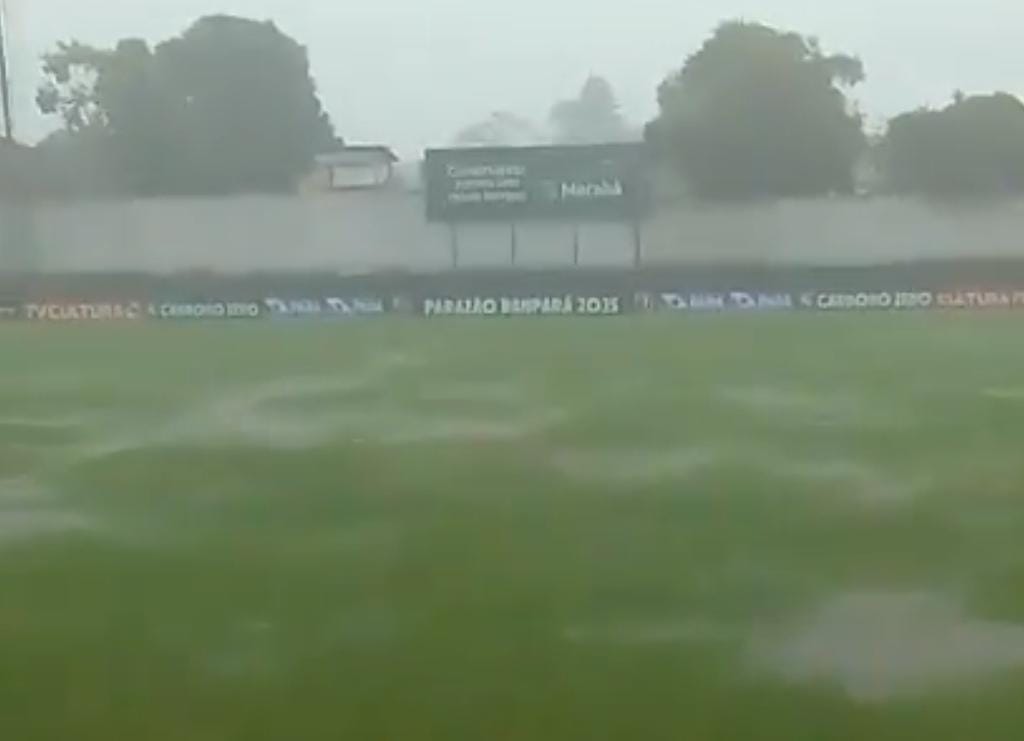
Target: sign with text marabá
<point>604,182</point>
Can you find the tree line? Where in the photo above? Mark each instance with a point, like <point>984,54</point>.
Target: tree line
<point>230,105</point>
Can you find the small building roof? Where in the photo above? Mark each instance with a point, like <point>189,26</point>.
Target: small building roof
<point>367,154</point>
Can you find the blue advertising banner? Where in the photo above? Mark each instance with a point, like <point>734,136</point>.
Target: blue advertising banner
<point>712,301</point>
<point>329,307</point>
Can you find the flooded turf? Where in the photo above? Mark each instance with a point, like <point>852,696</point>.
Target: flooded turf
<point>886,646</point>
<point>758,528</point>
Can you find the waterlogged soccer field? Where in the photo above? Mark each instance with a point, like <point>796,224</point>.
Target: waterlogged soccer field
<point>799,527</point>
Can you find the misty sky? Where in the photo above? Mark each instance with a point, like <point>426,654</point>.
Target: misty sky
<point>411,73</point>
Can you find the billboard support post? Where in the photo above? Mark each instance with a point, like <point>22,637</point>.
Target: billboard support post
<point>453,232</point>
<point>513,243</point>
<point>638,256</point>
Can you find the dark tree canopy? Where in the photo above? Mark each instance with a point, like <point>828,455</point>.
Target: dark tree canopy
<point>591,118</point>
<point>975,146</point>
<point>758,112</point>
<point>228,106</point>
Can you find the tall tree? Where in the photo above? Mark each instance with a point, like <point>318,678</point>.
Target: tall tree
<point>591,118</point>
<point>114,111</point>
<point>759,112</point>
<point>71,89</point>
<point>227,106</point>
<point>974,146</point>
<point>500,129</point>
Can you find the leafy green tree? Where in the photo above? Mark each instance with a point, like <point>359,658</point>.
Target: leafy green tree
<point>591,118</point>
<point>228,106</point>
<point>115,135</point>
<point>72,89</point>
<point>759,112</point>
<point>974,146</point>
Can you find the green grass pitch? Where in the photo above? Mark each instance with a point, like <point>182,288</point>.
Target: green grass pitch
<point>797,528</point>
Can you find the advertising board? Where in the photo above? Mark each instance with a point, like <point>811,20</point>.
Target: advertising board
<point>509,306</point>
<point>867,300</point>
<point>980,299</point>
<point>709,301</point>
<point>206,310</point>
<point>82,312</point>
<point>328,307</point>
<point>524,295</point>
<point>606,182</point>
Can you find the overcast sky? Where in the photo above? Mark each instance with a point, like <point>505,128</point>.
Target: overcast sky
<point>411,73</point>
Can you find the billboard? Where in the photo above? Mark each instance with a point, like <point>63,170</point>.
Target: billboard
<point>603,182</point>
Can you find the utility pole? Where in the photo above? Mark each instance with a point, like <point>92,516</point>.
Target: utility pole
<point>5,83</point>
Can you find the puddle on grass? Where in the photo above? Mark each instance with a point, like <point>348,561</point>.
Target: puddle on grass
<point>426,428</point>
<point>42,434</point>
<point>256,414</point>
<point>503,394</point>
<point>1015,394</point>
<point>633,466</point>
<point>886,646</point>
<point>21,525</point>
<point>869,484</point>
<point>28,510</point>
<point>300,413</point>
<point>823,409</point>
<point>876,646</point>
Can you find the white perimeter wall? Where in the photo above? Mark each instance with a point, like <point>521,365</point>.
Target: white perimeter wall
<point>355,232</point>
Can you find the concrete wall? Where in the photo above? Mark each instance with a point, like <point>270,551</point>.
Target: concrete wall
<point>364,231</point>
<point>838,231</point>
